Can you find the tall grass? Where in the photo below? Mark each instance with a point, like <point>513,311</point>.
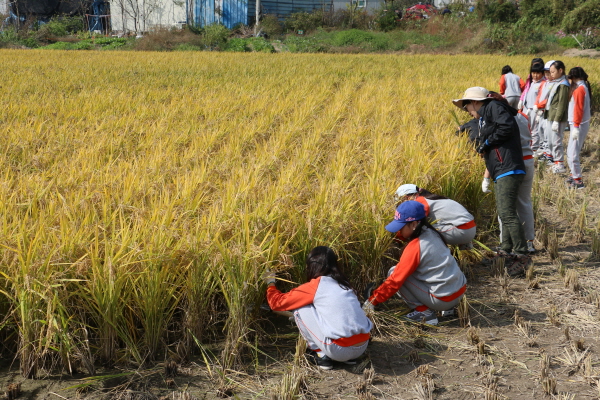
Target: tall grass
<point>140,204</point>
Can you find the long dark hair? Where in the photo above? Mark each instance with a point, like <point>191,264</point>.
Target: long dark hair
<point>419,229</point>
<point>537,65</point>
<point>579,73</point>
<point>428,195</point>
<point>322,261</point>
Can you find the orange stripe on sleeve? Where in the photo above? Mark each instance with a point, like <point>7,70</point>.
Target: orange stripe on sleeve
<point>298,297</point>
<point>578,99</point>
<point>522,84</point>
<point>409,262</point>
<point>423,201</point>
<point>502,85</point>
<point>537,99</point>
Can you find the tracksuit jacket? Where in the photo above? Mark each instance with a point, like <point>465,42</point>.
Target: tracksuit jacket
<point>429,261</point>
<point>447,212</point>
<point>498,128</point>
<point>579,106</point>
<point>340,315</point>
<point>511,85</point>
<point>558,102</point>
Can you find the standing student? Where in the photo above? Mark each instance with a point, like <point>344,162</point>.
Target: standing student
<point>511,86</point>
<point>427,277</point>
<point>451,219</point>
<point>579,121</point>
<point>556,113</point>
<point>529,96</point>
<point>540,104</point>
<point>326,309</point>
<point>501,149</point>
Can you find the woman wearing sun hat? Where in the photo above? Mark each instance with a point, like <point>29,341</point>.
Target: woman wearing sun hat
<point>427,277</point>
<point>449,217</point>
<point>500,146</point>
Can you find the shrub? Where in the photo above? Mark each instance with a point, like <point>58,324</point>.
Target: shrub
<point>304,21</point>
<point>498,11</point>
<point>237,45</point>
<point>215,36</point>
<point>568,42</point>
<point>187,47</point>
<point>259,44</point>
<point>584,16</point>
<point>386,20</point>
<point>270,25</point>
<point>297,44</point>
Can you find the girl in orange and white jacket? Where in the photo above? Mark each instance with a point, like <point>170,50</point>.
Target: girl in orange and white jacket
<point>427,277</point>
<point>579,121</point>
<point>326,309</point>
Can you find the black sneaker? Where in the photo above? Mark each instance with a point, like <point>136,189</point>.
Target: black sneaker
<point>576,184</point>
<point>519,265</point>
<point>428,317</point>
<point>325,363</point>
<point>354,361</point>
<point>569,180</point>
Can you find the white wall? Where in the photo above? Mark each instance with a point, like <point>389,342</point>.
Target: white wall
<point>3,6</point>
<point>144,15</point>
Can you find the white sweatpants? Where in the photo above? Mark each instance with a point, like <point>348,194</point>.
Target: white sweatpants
<point>536,140</point>
<point>307,322</point>
<point>543,133</point>
<point>524,204</point>
<point>555,140</point>
<point>574,149</point>
<point>416,293</point>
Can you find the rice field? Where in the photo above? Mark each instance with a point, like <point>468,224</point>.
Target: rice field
<point>143,194</point>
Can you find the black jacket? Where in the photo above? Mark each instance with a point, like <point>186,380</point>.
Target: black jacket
<point>499,129</point>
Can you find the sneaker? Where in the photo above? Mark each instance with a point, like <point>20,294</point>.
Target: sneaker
<point>519,265</point>
<point>428,317</point>
<point>530,248</point>
<point>539,153</point>
<point>324,362</point>
<point>354,361</point>
<point>448,313</point>
<point>558,168</point>
<point>549,159</point>
<point>569,180</point>
<point>576,184</point>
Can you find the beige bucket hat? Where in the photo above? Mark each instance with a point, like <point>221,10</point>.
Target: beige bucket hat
<point>476,93</point>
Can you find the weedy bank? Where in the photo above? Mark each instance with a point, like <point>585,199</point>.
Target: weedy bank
<point>143,194</point>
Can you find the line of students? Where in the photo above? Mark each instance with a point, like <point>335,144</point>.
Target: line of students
<point>553,100</point>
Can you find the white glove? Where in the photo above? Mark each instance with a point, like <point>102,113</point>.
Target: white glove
<point>268,276</point>
<point>575,133</point>
<point>520,105</point>
<point>555,126</point>
<point>538,116</point>
<point>368,307</point>
<point>485,185</point>
<point>534,107</point>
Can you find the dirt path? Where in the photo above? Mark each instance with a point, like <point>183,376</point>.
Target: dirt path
<point>527,336</point>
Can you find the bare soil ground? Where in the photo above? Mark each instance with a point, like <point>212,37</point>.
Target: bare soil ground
<point>526,338</point>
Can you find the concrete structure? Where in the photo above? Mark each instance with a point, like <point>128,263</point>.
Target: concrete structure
<point>145,15</point>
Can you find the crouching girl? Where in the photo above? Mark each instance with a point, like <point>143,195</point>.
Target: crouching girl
<point>451,219</point>
<point>427,276</point>
<point>326,310</point>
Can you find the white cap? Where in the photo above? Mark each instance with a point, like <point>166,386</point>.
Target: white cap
<point>408,188</point>
<point>548,65</point>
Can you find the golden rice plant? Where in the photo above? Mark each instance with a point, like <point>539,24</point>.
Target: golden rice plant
<point>141,203</point>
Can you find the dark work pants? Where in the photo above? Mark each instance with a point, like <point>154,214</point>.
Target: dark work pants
<point>507,193</point>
